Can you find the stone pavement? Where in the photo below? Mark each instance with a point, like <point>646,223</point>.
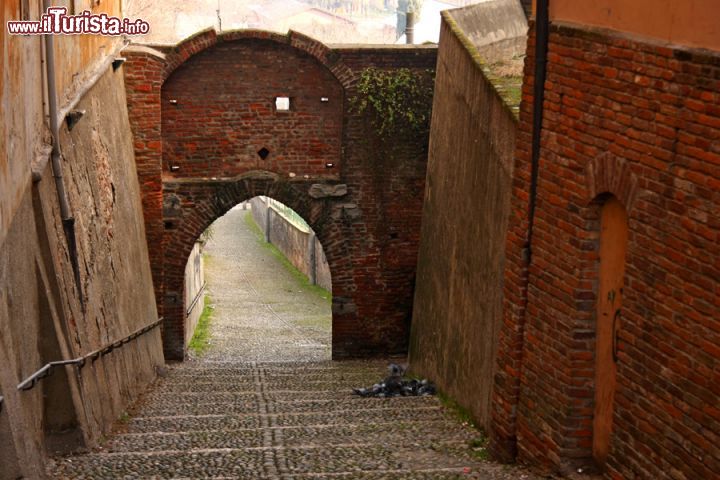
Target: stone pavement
<point>262,313</point>
<point>266,402</point>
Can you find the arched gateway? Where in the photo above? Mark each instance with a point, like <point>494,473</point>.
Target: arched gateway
<point>220,118</point>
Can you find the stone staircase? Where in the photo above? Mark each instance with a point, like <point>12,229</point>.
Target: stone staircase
<point>284,421</point>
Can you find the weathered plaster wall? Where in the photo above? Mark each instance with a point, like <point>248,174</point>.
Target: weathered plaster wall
<point>683,22</point>
<point>8,453</point>
<point>458,305</point>
<point>43,314</point>
<point>293,240</point>
<point>21,111</point>
<point>22,134</point>
<point>323,276</point>
<point>289,239</point>
<point>194,291</point>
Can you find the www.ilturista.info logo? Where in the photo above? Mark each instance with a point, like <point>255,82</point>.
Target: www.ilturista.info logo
<point>56,21</point>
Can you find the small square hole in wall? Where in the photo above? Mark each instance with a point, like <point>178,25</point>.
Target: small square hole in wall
<point>282,104</point>
<point>263,153</point>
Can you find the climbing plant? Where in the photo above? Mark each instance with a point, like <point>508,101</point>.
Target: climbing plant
<point>398,102</point>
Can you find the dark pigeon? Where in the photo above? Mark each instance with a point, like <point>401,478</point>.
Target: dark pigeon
<point>395,385</point>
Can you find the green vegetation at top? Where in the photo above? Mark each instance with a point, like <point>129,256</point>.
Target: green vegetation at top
<point>504,76</point>
<point>206,235</point>
<point>200,340</point>
<point>300,277</point>
<point>507,82</point>
<point>461,413</point>
<point>479,444</point>
<point>399,102</point>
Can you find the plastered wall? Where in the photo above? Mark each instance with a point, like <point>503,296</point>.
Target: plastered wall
<point>46,312</point>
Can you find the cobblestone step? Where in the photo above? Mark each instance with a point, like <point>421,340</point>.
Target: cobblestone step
<point>229,415</point>
<point>189,423</point>
<point>402,433</point>
<point>240,464</point>
<point>184,406</point>
<point>288,382</point>
<point>263,461</point>
<point>193,423</point>
<point>277,402</point>
<point>196,369</point>
<point>198,440</point>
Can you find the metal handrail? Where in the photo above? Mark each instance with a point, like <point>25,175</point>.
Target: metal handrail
<point>46,371</point>
<point>195,300</point>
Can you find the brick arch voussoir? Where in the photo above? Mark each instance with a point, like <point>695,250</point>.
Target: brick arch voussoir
<point>184,50</point>
<point>325,55</point>
<point>147,58</point>
<point>608,173</point>
<point>187,48</point>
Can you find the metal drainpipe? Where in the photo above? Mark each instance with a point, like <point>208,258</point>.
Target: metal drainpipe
<point>542,28</point>
<point>68,220</point>
<point>410,28</point>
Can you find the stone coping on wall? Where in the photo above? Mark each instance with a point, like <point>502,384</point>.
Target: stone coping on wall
<point>508,88</point>
<point>381,46</point>
<point>229,34</point>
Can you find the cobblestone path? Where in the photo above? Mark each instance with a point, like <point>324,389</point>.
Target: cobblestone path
<point>267,403</point>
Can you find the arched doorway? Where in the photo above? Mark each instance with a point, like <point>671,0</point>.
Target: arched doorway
<point>257,285</point>
<point>613,248</point>
<point>192,206</point>
<point>222,117</point>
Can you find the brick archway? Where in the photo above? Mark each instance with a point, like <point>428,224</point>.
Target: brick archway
<point>610,174</point>
<point>191,206</point>
<point>208,135</point>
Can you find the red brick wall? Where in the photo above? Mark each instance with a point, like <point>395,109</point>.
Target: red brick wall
<point>639,121</point>
<point>223,112</point>
<point>370,235</point>
<point>143,77</point>
<point>510,343</point>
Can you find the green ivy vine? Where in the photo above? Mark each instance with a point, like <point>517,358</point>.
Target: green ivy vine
<point>399,102</point>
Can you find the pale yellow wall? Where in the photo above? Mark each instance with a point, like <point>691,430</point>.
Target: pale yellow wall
<point>75,53</point>
<point>22,86</point>
<point>20,112</point>
<point>693,23</point>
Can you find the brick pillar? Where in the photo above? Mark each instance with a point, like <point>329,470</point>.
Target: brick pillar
<point>143,81</point>
<point>509,357</point>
